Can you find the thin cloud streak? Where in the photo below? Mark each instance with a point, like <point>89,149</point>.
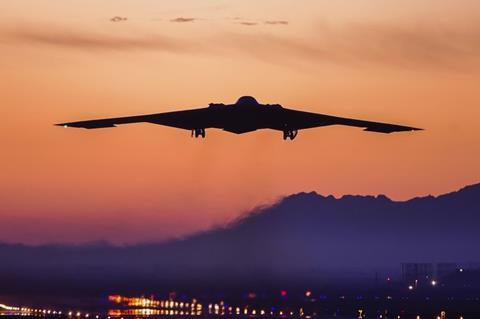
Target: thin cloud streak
<point>183,20</point>
<point>247,23</point>
<point>97,41</point>
<point>118,19</point>
<point>276,22</point>
<point>363,44</point>
<point>353,45</point>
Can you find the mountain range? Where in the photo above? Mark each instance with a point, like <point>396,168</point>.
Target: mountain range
<point>305,235</point>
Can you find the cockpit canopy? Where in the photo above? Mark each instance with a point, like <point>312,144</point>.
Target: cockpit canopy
<point>247,101</point>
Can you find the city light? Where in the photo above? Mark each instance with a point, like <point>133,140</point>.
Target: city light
<point>434,283</point>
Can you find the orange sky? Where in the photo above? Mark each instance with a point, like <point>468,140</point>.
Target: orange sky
<point>409,62</point>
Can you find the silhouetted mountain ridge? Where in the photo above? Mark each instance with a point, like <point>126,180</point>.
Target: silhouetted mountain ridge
<point>305,234</point>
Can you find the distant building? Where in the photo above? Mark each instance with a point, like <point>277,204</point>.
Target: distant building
<point>446,269</point>
<point>473,266</point>
<point>417,272</point>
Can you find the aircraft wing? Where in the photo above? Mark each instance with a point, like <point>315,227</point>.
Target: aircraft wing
<point>304,120</point>
<point>188,119</point>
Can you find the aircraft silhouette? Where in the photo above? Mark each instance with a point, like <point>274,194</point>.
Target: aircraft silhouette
<point>246,115</point>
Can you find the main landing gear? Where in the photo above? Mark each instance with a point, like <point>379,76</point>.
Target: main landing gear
<point>198,132</point>
<point>290,134</point>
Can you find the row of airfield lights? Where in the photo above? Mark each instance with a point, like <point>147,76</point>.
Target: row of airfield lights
<point>213,308</point>
<point>222,310</point>
<point>196,308</point>
<point>216,308</point>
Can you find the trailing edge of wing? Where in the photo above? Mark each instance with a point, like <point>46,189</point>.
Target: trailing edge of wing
<point>303,120</point>
<point>108,122</point>
<point>187,119</point>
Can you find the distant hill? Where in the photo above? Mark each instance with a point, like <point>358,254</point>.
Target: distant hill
<point>305,234</point>
<point>308,230</point>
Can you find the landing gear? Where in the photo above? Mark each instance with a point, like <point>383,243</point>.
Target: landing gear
<point>198,132</point>
<point>290,134</point>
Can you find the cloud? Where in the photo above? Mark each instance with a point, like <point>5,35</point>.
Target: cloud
<point>391,45</point>
<point>276,22</point>
<point>388,44</point>
<point>248,23</point>
<point>118,19</point>
<point>182,19</point>
<point>403,44</point>
<point>96,41</point>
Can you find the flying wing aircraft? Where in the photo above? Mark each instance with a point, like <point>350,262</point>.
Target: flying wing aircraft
<point>246,115</point>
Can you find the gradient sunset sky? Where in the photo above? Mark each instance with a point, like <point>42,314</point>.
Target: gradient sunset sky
<point>409,62</point>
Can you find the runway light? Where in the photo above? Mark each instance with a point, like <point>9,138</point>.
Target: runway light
<point>434,283</point>
<point>410,287</point>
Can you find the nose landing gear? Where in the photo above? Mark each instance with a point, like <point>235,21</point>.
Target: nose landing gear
<point>198,132</point>
<point>290,134</point>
